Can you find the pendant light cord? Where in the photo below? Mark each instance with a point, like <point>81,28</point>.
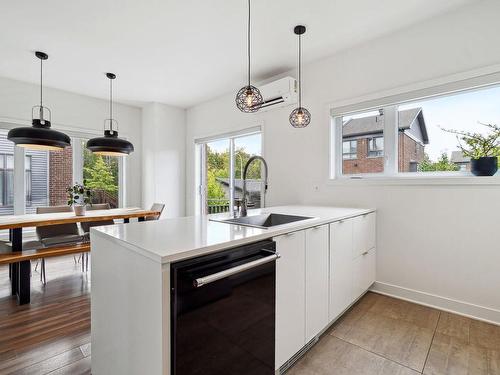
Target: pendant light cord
<point>111,105</point>
<point>248,42</point>
<point>110,98</point>
<point>41,90</point>
<point>300,69</point>
<point>41,83</point>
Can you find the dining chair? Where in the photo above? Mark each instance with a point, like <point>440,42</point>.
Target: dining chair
<point>156,207</point>
<point>86,229</point>
<point>54,235</point>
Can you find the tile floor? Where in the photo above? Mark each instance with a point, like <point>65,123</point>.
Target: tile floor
<point>386,336</point>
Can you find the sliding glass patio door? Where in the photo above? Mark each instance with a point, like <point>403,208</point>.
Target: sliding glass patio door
<point>221,164</point>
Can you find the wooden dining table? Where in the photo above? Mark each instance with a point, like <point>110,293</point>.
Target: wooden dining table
<point>21,271</point>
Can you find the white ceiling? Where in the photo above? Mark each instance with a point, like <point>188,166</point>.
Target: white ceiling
<point>183,52</point>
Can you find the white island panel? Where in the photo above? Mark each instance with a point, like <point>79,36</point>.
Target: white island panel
<point>130,316</point>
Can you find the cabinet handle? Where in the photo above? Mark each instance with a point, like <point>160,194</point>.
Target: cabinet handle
<point>366,252</point>
<point>317,227</point>
<point>233,271</point>
<point>340,221</point>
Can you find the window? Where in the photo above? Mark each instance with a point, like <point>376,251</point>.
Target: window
<point>414,136</point>
<point>47,175</point>
<point>362,142</point>
<point>221,164</point>
<point>7,180</point>
<point>101,174</point>
<point>28,177</point>
<point>376,147</point>
<point>350,149</point>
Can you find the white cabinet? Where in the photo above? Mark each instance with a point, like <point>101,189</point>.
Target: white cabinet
<point>341,267</point>
<point>321,272</point>
<point>290,295</point>
<point>352,261</point>
<point>363,272</point>
<point>363,234</point>
<point>316,293</point>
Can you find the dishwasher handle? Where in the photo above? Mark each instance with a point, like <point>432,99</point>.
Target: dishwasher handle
<point>199,282</point>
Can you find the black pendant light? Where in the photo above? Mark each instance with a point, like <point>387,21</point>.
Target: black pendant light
<point>39,136</point>
<point>300,116</point>
<point>110,144</point>
<point>249,99</point>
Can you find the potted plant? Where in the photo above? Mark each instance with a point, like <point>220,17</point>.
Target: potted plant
<point>482,149</point>
<point>79,196</point>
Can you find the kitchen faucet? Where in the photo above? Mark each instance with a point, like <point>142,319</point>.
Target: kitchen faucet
<point>245,170</point>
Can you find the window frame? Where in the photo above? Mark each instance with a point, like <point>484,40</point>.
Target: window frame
<point>389,103</point>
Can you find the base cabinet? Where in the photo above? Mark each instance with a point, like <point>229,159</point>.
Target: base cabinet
<point>321,272</point>
<point>341,267</point>
<point>316,280</point>
<point>290,295</point>
<point>352,261</point>
<point>363,273</point>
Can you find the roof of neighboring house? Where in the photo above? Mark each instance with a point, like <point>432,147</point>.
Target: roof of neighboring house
<point>374,124</point>
<point>252,185</point>
<point>458,157</point>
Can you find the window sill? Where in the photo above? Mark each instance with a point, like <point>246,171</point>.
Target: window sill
<point>416,179</point>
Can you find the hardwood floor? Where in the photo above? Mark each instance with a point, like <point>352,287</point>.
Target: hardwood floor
<point>52,334</point>
<point>386,336</point>
<point>378,336</point>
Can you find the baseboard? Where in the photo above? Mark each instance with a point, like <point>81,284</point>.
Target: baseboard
<point>470,310</point>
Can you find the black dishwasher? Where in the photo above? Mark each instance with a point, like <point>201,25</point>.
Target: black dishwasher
<point>223,312</point>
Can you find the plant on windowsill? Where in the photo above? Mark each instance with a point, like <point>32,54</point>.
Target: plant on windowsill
<point>482,149</point>
<point>79,196</point>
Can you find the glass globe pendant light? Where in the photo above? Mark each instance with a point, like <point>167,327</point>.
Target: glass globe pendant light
<point>249,99</point>
<point>39,136</point>
<point>300,116</point>
<point>110,144</point>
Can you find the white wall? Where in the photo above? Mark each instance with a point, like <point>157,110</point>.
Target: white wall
<point>434,240</point>
<point>77,113</point>
<point>163,157</point>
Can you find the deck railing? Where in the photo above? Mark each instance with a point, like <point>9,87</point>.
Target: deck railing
<point>215,206</point>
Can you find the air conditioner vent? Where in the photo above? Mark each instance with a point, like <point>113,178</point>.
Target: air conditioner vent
<point>279,93</point>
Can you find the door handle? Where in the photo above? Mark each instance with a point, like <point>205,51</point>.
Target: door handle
<point>199,282</point>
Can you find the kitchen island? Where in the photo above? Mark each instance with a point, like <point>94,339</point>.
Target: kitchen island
<point>334,251</point>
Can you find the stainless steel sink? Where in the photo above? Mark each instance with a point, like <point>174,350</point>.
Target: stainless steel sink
<point>263,221</point>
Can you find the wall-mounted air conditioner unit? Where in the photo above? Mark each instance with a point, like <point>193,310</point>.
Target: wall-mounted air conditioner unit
<point>279,93</point>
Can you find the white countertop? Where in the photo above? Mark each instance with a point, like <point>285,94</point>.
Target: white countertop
<point>170,240</point>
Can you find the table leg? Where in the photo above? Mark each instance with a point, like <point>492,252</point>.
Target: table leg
<point>20,271</point>
<point>126,220</point>
<point>142,218</point>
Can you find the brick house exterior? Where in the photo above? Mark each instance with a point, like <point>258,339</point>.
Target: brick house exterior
<point>363,142</point>
<point>60,175</point>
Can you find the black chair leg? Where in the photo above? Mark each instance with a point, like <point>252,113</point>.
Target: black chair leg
<point>43,277</point>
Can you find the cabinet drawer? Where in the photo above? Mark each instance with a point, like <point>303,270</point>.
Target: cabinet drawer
<point>364,268</point>
<point>363,234</point>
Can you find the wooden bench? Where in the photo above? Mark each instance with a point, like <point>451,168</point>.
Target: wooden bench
<point>19,256</point>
